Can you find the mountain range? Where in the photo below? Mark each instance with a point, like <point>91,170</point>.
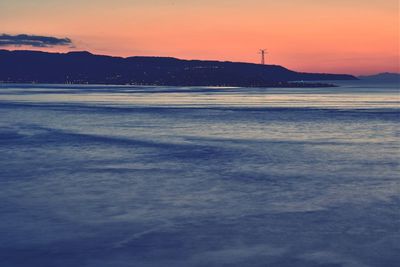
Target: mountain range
<point>382,77</point>
<point>82,67</point>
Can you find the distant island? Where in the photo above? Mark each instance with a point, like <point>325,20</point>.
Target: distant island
<point>85,68</point>
<point>382,77</point>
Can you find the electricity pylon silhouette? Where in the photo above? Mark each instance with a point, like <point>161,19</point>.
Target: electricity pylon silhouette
<point>263,52</point>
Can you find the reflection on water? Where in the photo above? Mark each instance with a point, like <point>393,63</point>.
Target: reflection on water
<point>380,96</point>
<point>152,176</point>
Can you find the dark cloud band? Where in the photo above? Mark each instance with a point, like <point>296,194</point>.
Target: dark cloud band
<point>33,40</point>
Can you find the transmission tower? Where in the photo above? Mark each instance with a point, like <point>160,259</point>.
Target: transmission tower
<point>263,52</point>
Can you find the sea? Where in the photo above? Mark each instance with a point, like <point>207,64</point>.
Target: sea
<point>148,176</point>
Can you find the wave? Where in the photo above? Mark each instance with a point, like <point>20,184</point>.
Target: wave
<point>128,108</point>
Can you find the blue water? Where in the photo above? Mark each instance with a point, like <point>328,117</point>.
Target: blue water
<point>121,176</point>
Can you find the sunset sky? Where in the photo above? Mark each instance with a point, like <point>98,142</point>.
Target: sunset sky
<point>338,36</point>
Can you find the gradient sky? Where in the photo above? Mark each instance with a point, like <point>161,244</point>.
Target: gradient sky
<point>338,36</point>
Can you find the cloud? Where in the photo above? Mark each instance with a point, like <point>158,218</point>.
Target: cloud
<point>33,40</point>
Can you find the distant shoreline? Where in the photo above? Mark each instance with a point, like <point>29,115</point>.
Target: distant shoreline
<point>277,85</point>
<point>22,66</point>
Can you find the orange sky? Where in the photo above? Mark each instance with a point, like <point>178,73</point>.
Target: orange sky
<point>353,36</point>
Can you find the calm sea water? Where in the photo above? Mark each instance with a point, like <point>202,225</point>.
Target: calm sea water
<point>152,176</point>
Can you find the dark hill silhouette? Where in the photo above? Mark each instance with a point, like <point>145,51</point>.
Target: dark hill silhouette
<point>382,77</point>
<point>84,67</point>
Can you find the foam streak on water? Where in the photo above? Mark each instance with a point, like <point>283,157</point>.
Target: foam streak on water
<point>154,176</point>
